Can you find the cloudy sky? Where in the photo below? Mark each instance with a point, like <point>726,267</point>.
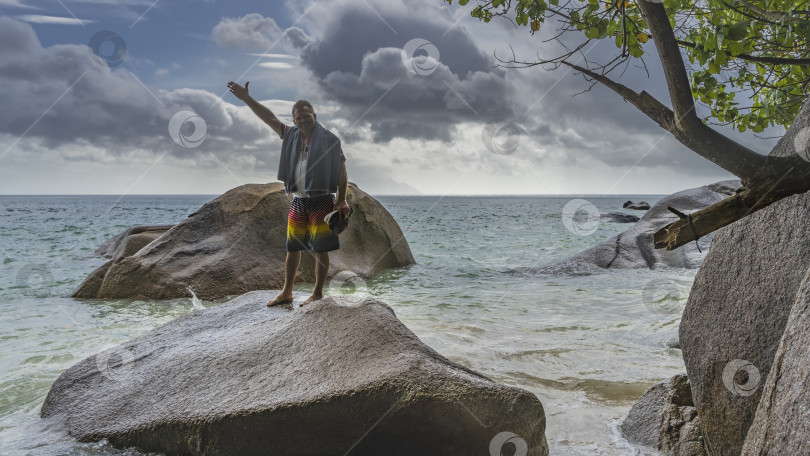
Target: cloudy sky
<point>130,97</point>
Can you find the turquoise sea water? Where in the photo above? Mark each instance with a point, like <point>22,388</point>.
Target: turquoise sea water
<point>587,345</point>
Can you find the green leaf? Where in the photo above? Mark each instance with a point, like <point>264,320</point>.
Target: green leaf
<point>710,42</point>
<point>734,48</point>
<point>738,31</point>
<point>720,58</point>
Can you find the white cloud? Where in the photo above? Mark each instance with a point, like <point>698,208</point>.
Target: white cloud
<point>16,4</point>
<point>40,19</point>
<point>273,56</point>
<point>252,31</point>
<point>276,65</point>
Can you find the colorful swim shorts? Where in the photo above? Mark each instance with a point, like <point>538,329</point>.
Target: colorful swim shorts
<point>306,229</point>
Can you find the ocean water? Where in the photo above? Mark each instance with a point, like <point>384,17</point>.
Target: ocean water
<point>588,345</point>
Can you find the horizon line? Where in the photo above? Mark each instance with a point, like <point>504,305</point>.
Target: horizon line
<point>372,194</point>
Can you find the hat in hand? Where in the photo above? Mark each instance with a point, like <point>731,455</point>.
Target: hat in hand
<point>337,223</point>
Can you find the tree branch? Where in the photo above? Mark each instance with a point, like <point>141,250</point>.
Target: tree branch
<point>774,15</point>
<point>680,91</point>
<point>690,130</point>
<point>701,139</point>
<point>754,58</point>
<point>783,177</point>
<point>645,102</point>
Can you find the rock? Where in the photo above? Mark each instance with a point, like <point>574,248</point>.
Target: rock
<point>739,305</point>
<point>642,423</point>
<point>633,248</point>
<point>640,206</point>
<point>130,241</point>
<point>680,430</point>
<point>241,379</point>
<point>665,418</point>
<point>781,424</point>
<point>618,217</point>
<point>236,243</point>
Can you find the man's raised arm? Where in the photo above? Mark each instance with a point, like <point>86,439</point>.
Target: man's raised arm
<point>259,109</point>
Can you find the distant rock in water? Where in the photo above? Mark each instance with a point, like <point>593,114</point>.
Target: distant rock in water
<point>340,376</point>
<point>640,206</point>
<point>130,241</point>
<point>236,243</point>
<point>633,249</point>
<point>618,217</point>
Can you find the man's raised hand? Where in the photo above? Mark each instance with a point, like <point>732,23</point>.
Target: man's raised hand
<point>239,91</point>
<point>259,109</point>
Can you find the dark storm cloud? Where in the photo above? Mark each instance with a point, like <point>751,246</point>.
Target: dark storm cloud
<point>356,58</point>
<point>62,95</point>
<point>582,128</point>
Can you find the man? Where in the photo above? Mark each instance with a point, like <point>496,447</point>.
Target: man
<point>312,167</point>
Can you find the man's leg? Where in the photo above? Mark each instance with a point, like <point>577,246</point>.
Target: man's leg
<point>290,270</point>
<point>321,270</point>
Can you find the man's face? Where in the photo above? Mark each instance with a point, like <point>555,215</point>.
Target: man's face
<point>304,117</point>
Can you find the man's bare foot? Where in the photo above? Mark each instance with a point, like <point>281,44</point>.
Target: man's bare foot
<point>312,298</point>
<point>280,299</point>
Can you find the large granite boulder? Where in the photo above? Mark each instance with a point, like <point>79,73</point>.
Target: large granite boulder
<point>782,421</point>
<point>236,243</point>
<point>633,248</point>
<point>738,307</point>
<point>665,418</point>
<point>341,375</point>
<point>131,240</point>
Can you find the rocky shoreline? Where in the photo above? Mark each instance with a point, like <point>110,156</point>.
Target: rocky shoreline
<point>745,332</point>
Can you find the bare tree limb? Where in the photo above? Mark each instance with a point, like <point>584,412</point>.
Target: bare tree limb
<point>786,176</point>
<point>645,102</point>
